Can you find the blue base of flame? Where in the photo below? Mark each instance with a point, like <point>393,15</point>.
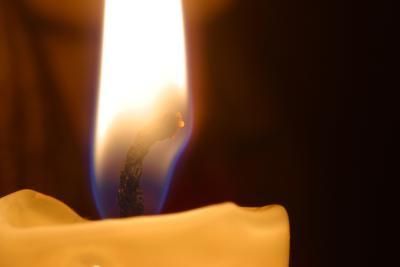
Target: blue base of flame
<point>96,187</point>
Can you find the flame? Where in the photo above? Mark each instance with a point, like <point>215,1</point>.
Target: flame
<point>143,75</point>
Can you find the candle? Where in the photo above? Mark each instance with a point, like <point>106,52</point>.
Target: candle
<point>143,82</point>
<point>38,230</point>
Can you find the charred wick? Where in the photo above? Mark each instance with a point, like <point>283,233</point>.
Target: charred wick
<point>130,195</point>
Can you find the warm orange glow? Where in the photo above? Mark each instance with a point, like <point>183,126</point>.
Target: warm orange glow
<point>143,75</point>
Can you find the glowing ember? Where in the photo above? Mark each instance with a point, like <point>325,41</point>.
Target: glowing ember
<point>143,77</point>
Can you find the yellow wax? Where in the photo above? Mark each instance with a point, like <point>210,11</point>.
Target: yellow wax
<point>38,230</point>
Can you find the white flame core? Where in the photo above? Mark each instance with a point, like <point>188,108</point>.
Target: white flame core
<point>143,54</point>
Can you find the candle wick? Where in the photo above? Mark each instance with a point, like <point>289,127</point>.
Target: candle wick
<point>130,195</point>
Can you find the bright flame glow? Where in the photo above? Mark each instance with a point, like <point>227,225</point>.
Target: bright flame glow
<point>143,74</point>
<point>143,53</point>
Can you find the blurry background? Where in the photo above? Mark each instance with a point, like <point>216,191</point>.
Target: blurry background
<point>281,113</point>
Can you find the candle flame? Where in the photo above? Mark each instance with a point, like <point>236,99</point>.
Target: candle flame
<point>143,75</point>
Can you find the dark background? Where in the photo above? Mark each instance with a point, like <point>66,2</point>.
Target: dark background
<point>283,112</point>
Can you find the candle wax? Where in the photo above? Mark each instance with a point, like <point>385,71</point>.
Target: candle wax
<point>38,230</point>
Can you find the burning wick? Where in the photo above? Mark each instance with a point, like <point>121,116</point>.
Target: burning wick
<point>130,196</point>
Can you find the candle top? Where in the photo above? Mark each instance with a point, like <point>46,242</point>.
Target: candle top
<point>218,235</point>
<point>27,208</point>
